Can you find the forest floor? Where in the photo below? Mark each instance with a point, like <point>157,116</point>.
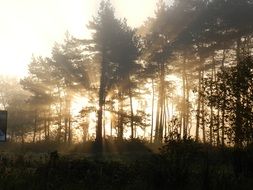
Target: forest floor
<point>125,165</point>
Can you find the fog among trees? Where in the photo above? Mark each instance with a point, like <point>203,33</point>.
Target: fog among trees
<point>185,73</point>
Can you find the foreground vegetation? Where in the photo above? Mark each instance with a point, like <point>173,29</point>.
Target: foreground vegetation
<point>182,164</point>
<point>187,71</point>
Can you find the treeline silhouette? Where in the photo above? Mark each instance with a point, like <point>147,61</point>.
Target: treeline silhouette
<point>189,68</point>
<point>205,44</point>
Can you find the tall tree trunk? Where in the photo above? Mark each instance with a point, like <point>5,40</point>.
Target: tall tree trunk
<point>218,110</point>
<point>69,130</point>
<point>165,117</point>
<point>223,103</point>
<point>45,125</point>
<point>223,123</point>
<point>160,107</point>
<point>104,120</point>
<point>59,130</point>
<point>184,101</point>
<point>59,126</point>
<point>65,129</point>
<point>22,135</point>
<point>218,127</point>
<point>112,121</point>
<point>157,122</point>
<point>152,114</point>
<point>211,106</point>
<point>121,117</point>
<point>67,116</point>
<point>238,122</point>
<point>35,127</point>
<point>181,124</point>
<point>99,124</point>
<point>203,119</point>
<point>132,114</point>
<point>48,130</point>
<point>187,106</point>
<point>198,104</point>
<point>169,118</point>
<point>238,116</point>
<point>101,102</point>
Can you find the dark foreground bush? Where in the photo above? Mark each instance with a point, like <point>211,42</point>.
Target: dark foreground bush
<point>109,146</point>
<point>179,165</point>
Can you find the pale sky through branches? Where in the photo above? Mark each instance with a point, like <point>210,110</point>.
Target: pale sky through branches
<point>32,26</point>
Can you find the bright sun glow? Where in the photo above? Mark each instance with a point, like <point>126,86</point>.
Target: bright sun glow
<point>78,103</point>
<point>32,26</point>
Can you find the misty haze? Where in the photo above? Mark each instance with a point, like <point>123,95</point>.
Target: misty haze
<point>126,94</point>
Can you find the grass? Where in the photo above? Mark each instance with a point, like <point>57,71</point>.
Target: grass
<point>178,165</point>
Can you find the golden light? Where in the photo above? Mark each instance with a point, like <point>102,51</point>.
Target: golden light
<point>32,27</point>
<point>134,11</point>
<point>144,102</point>
<point>77,104</point>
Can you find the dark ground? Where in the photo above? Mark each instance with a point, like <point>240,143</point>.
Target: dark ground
<point>125,165</point>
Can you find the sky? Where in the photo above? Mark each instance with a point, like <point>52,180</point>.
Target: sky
<point>31,27</point>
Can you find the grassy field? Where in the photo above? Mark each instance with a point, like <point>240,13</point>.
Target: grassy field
<point>176,165</point>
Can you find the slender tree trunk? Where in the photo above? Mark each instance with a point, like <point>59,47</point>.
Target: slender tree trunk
<point>160,107</point>
<point>121,117</point>
<point>45,125</point>
<point>169,118</point>
<point>238,114</point>
<point>223,124</point>
<point>238,50</point>
<point>48,130</point>
<point>238,122</point>
<point>165,117</point>
<point>65,129</point>
<point>152,114</point>
<point>59,127</point>
<point>99,125</point>
<point>22,135</point>
<point>69,130</point>
<point>198,105</point>
<point>181,122</point>
<point>218,127</point>
<point>111,117</point>
<point>184,101</point>
<point>101,100</point>
<point>112,120</point>
<point>104,120</point>
<point>132,114</point>
<point>59,130</point>
<point>39,135</point>
<point>203,121</point>
<point>218,110</point>
<point>211,106</point>
<point>67,121</point>
<point>223,103</point>
<point>187,107</point>
<point>35,127</point>
<point>157,122</point>
<point>85,126</point>
<point>135,131</point>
